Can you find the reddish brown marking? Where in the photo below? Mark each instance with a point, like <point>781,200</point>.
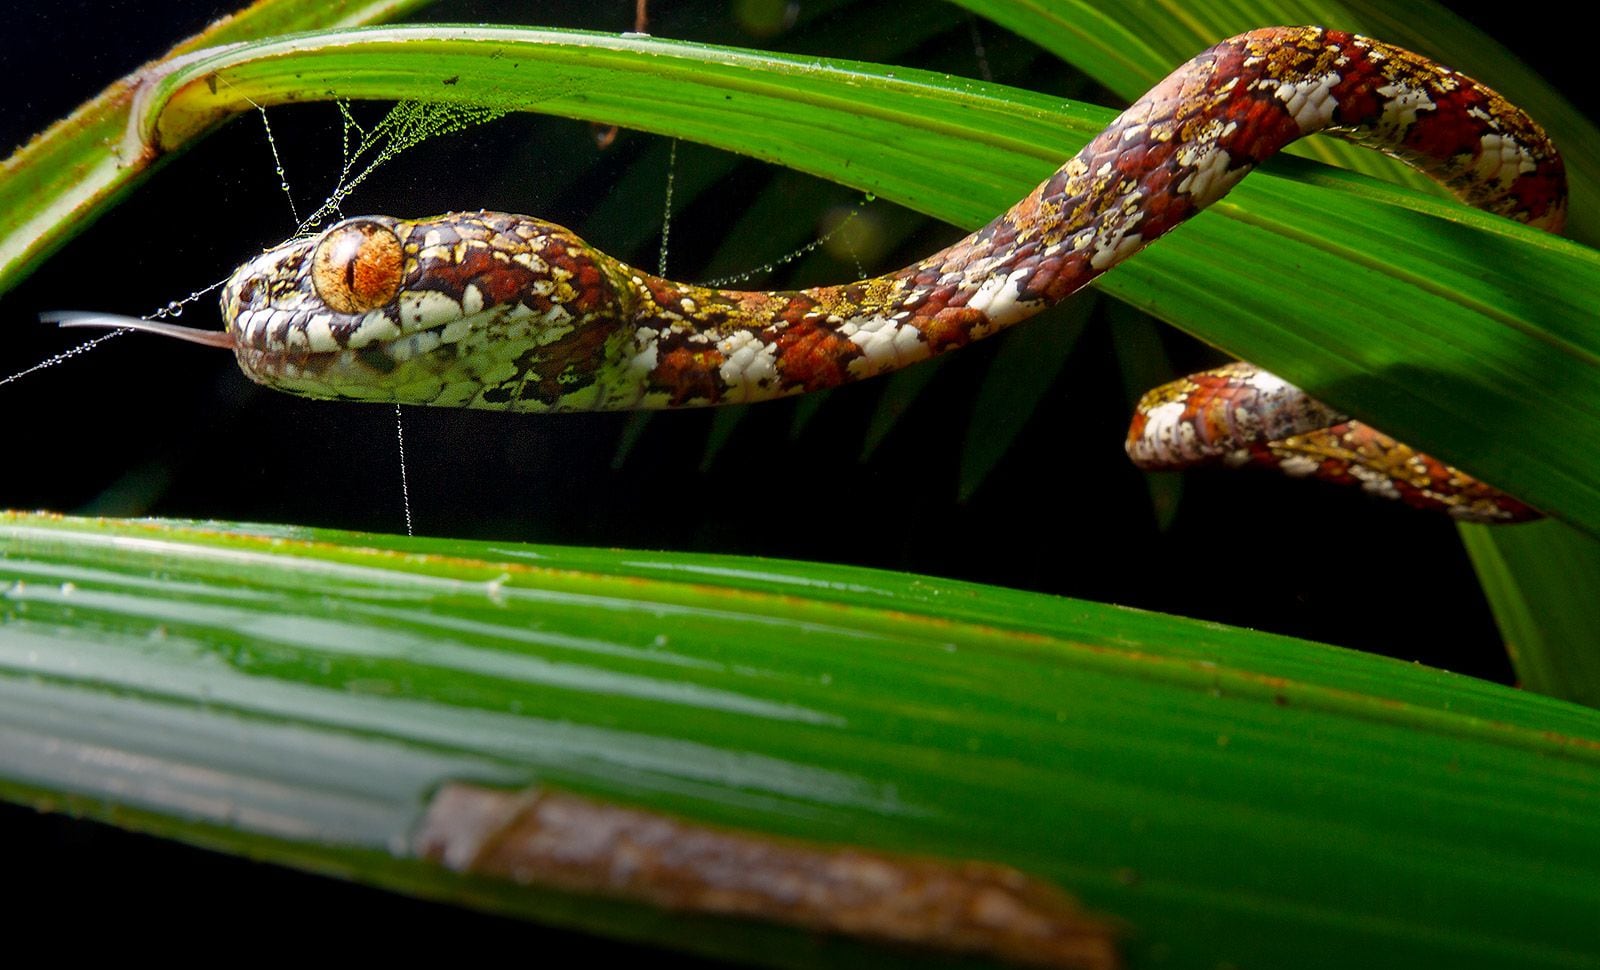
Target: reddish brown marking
<point>594,289</point>
<point>687,374</point>
<point>951,328</point>
<point>815,357</point>
<point>500,280</point>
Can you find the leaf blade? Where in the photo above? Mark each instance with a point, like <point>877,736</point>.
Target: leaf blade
<point>1287,797</point>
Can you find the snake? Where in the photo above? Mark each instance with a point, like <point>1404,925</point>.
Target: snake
<point>509,312</point>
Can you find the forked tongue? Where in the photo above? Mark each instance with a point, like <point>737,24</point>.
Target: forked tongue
<point>112,321</point>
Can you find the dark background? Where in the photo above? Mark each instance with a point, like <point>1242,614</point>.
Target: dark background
<point>143,426</point>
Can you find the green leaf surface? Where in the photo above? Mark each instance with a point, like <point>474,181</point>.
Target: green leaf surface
<point>300,695</point>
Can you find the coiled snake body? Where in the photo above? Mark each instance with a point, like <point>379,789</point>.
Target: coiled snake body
<point>492,310</point>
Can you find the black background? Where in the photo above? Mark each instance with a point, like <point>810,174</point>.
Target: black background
<point>144,426</point>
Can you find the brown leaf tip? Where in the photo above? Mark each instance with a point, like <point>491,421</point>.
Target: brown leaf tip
<point>573,843</point>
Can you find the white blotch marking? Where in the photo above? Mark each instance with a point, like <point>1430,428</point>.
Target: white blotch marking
<point>1113,244</point>
<point>885,344</point>
<point>319,335</point>
<point>1299,466</point>
<point>1503,158</point>
<point>1310,102</point>
<point>374,327</point>
<point>533,262</point>
<point>1210,176</point>
<point>1400,106</point>
<point>1167,441</point>
<point>748,366</point>
<point>425,309</point>
<point>422,343</point>
<point>1000,298</point>
<point>1375,482</point>
<point>471,300</point>
<point>1267,382</point>
<point>646,354</point>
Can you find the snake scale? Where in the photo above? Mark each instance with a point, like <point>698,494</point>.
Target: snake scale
<point>494,310</point>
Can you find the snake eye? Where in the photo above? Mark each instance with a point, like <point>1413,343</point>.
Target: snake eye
<point>357,266</point>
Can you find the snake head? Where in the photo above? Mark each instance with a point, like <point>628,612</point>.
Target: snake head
<point>478,309</point>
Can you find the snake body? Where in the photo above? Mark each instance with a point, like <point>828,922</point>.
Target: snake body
<point>494,310</point>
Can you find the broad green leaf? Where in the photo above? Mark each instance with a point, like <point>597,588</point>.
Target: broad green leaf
<point>1223,796</point>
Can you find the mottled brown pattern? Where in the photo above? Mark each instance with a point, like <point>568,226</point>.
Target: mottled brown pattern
<point>661,343</point>
<point>1238,413</point>
<point>815,357</point>
<point>689,376</point>
<point>1345,451</point>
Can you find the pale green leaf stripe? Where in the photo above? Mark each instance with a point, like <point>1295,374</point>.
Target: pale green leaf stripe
<point>1455,330</point>
<point>1234,797</point>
